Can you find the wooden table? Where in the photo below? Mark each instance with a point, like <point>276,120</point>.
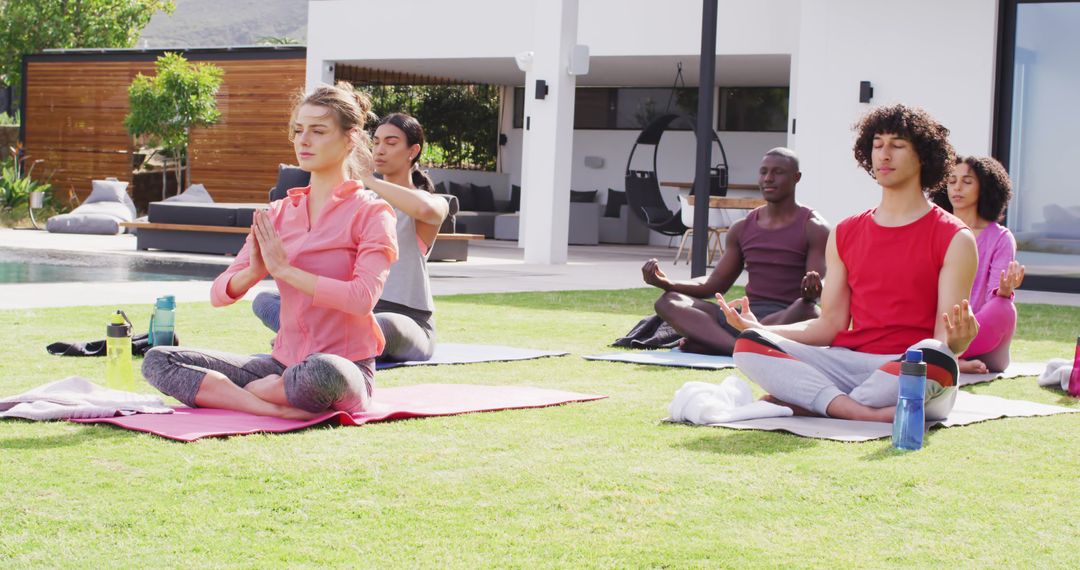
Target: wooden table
<point>690,185</point>
<point>726,202</point>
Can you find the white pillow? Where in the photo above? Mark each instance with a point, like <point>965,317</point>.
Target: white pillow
<point>111,191</point>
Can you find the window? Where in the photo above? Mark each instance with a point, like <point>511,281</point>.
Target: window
<point>760,109</point>
<point>620,108</point>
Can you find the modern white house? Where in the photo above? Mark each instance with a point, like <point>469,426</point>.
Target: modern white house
<point>1000,74</point>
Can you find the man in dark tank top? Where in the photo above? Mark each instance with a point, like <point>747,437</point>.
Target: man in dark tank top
<point>782,247</point>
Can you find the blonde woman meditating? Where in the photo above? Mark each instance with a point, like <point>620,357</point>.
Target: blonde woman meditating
<point>405,310</point>
<point>329,246</point>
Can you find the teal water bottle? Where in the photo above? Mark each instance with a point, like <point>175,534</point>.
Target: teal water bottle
<point>119,374</point>
<point>163,322</point>
<point>909,421</point>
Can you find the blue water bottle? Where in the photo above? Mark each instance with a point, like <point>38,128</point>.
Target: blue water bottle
<point>909,421</point>
<point>163,322</point>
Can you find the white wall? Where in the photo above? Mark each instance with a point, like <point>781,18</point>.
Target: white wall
<point>911,52</point>
<point>340,29</point>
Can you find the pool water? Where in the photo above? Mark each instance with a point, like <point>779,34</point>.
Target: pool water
<point>30,266</point>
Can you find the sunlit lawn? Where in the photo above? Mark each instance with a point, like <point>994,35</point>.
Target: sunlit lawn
<point>601,484</point>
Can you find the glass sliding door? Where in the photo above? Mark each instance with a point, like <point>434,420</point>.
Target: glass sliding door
<point>1041,148</point>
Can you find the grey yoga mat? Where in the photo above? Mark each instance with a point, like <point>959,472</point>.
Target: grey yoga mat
<point>453,353</point>
<point>668,358</point>
<point>969,409</point>
<point>1015,370</point>
<point>710,362</point>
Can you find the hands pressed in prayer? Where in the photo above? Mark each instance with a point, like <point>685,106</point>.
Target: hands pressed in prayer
<point>268,245</point>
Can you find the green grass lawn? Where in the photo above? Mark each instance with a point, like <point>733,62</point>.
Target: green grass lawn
<point>598,484</point>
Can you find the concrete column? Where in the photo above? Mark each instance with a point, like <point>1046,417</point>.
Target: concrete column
<point>548,134</point>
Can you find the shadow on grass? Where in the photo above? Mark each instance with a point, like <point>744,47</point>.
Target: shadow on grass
<point>87,434</point>
<point>748,442</point>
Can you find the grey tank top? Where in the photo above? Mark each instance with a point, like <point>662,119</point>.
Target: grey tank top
<point>407,283</point>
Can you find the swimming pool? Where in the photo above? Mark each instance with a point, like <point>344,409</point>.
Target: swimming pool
<point>43,266</point>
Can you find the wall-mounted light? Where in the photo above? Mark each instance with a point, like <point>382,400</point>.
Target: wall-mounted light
<point>541,88</point>
<point>866,91</point>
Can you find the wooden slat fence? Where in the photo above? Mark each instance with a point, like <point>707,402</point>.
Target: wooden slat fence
<point>74,110</point>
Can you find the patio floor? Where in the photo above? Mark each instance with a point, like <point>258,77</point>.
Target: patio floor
<point>493,266</point>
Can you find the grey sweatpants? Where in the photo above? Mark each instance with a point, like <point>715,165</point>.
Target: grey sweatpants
<point>409,336</point>
<point>812,376</point>
<point>319,383</point>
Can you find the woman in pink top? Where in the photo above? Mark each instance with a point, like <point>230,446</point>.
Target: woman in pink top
<point>329,246</point>
<point>977,192</point>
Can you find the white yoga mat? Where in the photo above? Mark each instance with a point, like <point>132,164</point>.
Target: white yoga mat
<point>452,353</point>
<point>668,358</point>
<point>1015,370</point>
<point>969,409</point>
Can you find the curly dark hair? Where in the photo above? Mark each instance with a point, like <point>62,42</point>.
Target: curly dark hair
<point>995,187</point>
<point>929,137</point>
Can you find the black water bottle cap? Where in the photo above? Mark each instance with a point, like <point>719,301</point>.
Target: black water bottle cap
<point>119,327</point>
<point>913,364</point>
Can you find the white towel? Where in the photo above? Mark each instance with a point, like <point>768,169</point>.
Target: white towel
<point>1056,374</point>
<point>730,401</point>
<point>76,397</point>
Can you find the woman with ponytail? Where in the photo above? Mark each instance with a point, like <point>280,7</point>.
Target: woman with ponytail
<point>405,310</point>
<point>329,247</point>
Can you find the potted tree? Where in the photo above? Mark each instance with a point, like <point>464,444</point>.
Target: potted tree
<point>165,107</point>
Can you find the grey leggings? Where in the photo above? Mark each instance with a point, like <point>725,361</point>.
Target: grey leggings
<point>319,383</point>
<point>812,376</point>
<point>409,333</point>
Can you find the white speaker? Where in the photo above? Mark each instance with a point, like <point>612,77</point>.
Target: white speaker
<point>579,61</point>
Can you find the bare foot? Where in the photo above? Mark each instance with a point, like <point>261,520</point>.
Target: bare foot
<point>291,413</point>
<point>690,345</point>
<point>972,366</point>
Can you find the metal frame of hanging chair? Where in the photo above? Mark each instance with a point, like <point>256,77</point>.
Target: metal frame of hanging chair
<point>643,188</point>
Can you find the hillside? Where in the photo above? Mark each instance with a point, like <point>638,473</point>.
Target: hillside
<point>218,23</point>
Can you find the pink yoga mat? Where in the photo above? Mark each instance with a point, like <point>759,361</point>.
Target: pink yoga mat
<point>421,400</point>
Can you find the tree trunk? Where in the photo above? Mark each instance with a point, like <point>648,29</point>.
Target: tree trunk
<point>164,183</point>
<point>178,170</point>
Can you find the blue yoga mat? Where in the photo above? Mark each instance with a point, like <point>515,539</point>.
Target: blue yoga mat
<point>668,358</point>
<point>451,353</point>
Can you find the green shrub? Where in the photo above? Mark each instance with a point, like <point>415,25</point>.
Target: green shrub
<point>16,182</point>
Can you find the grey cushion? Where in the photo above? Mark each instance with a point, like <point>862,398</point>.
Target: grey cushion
<point>483,198</point>
<point>289,177</point>
<point>586,196</point>
<point>93,218</point>
<point>515,199</point>
<point>111,191</point>
<point>615,200</point>
<point>195,193</point>
<point>464,193</point>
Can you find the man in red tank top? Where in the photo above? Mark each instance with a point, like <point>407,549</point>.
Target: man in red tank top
<point>782,247</point>
<point>899,275</point>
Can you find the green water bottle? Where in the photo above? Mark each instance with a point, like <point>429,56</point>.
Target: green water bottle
<point>119,373</point>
